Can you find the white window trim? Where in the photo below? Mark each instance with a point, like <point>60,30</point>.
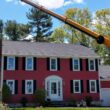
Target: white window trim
<point>7,81</point>
<point>94,65</point>
<point>26,92</point>
<point>55,65</point>
<point>79,86</point>
<point>26,64</point>
<point>90,86</point>
<point>78,64</point>
<point>8,57</point>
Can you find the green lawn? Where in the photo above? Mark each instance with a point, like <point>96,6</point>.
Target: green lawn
<point>61,108</point>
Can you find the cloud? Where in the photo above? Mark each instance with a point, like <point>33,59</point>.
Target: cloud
<point>9,0</point>
<point>51,4</point>
<point>67,3</point>
<point>78,1</point>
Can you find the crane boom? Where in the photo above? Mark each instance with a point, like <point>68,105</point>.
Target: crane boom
<point>99,38</point>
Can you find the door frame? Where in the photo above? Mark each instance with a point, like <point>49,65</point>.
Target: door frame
<point>48,81</point>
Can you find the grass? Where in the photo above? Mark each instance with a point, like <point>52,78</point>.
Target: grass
<point>101,108</point>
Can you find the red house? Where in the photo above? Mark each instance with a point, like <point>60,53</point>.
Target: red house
<point>65,71</point>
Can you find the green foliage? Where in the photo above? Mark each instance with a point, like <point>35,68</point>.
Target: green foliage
<point>102,26</point>
<point>81,16</point>
<point>88,100</point>
<point>16,31</point>
<point>6,93</point>
<point>1,29</point>
<point>41,24</point>
<point>58,35</point>
<point>40,96</point>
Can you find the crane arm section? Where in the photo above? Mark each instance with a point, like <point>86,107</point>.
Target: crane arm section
<point>99,38</point>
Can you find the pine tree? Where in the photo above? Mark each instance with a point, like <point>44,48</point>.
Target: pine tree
<point>41,24</point>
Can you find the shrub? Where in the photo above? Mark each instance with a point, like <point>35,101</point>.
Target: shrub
<point>23,101</point>
<point>40,97</point>
<point>6,93</point>
<point>88,100</point>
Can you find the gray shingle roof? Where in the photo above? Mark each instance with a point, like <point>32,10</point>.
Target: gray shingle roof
<point>20,48</point>
<point>104,72</point>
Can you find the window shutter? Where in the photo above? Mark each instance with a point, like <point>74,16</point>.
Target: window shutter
<point>81,86</point>
<point>71,64</point>
<point>23,86</point>
<point>88,89</point>
<point>5,63</point>
<point>23,65</point>
<point>81,65</point>
<point>58,63</point>
<point>71,86</point>
<point>16,86</point>
<point>87,65</point>
<point>97,82</point>
<point>34,86</point>
<point>16,63</point>
<point>35,63</point>
<point>96,64</point>
<point>48,63</point>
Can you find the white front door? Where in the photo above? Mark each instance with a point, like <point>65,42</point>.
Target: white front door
<point>54,88</point>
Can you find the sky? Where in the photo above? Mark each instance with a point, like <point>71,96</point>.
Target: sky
<point>16,10</point>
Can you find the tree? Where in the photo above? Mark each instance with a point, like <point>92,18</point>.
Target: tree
<point>1,29</point>
<point>58,35</point>
<point>41,24</point>
<point>83,17</point>
<point>16,31</point>
<point>102,26</point>
<point>6,93</point>
<point>40,96</point>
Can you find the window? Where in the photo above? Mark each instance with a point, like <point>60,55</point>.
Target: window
<point>92,64</point>
<point>76,65</point>
<point>29,87</point>
<point>53,64</point>
<point>10,63</point>
<point>92,86</point>
<point>77,86</point>
<point>11,85</point>
<point>29,63</point>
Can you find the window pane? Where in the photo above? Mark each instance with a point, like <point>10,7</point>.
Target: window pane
<point>77,86</point>
<point>29,63</point>
<point>11,86</point>
<point>53,88</point>
<point>53,64</point>
<point>76,64</point>
<point>11,63</point>
<point>93,86</point>
<point>29,87</point>
<point>91,64</point>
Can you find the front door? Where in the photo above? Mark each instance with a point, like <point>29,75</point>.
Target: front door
<point>54,89</point>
